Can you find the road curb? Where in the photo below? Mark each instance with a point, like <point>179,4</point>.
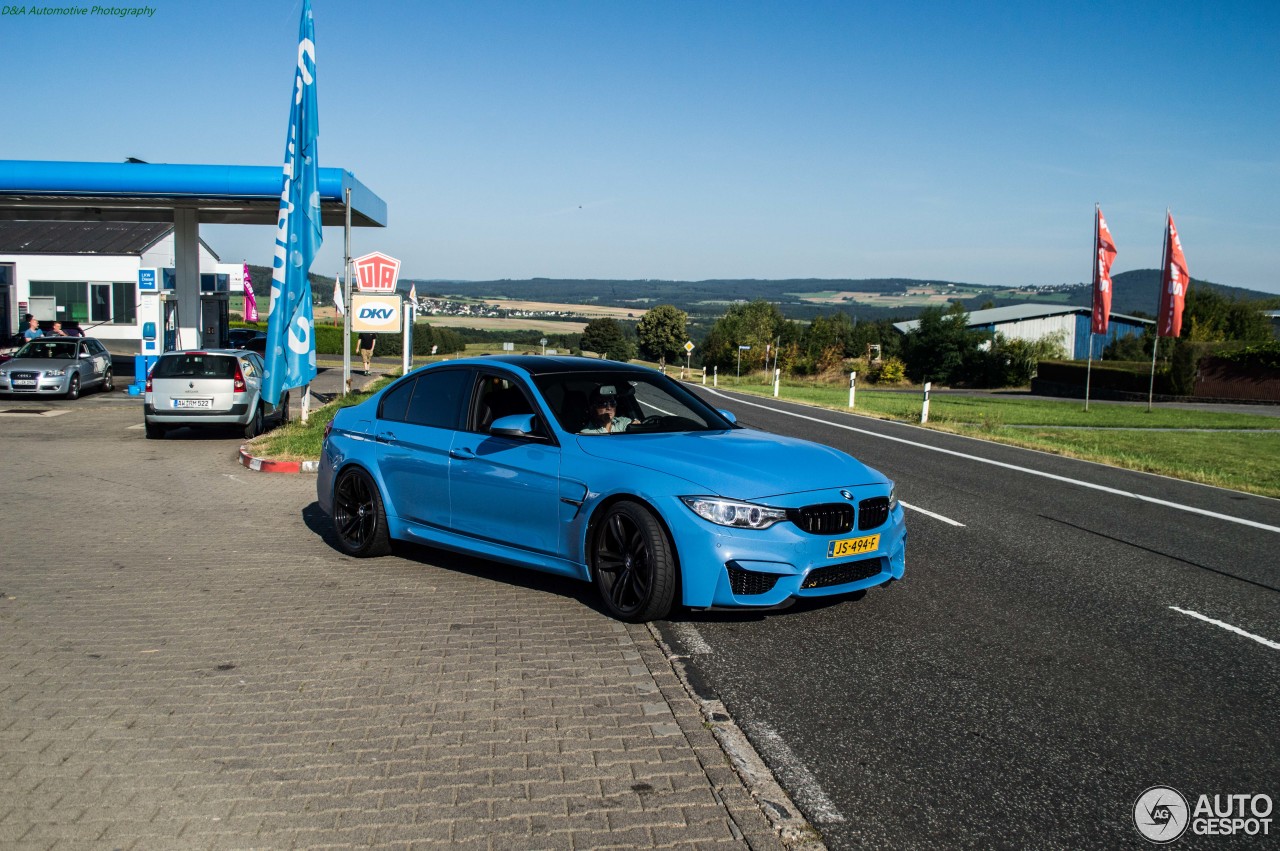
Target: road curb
<point>265,465</point>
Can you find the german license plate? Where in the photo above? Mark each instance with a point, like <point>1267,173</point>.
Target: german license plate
<point>193,403</point>
<point>24,382</point>
<point>853,546</point>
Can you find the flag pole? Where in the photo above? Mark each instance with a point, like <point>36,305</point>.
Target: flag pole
<point>1164,263</point>
<point>346,295</point>
<point>1088,373</point>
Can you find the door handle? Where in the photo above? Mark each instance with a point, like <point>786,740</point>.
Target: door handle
<point>385,437</point>
<point>462,454</point>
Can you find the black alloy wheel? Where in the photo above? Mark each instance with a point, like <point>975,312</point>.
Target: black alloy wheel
<point>633,564</point>
<point>358,515</point>
<point>73,387</point>
<point>155,431</point>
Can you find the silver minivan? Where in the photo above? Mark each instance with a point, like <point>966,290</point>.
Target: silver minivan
<point>216,387</point>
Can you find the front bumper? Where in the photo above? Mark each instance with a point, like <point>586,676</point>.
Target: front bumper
<point>45,385</point>
<point>731,568</point>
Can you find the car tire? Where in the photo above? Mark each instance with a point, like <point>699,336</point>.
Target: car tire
<point>108,381</point>
<point>358,516</point>
<point>155,431</point>
<point>633,564</point>
<point>73,386</point>
<point>253,428</point>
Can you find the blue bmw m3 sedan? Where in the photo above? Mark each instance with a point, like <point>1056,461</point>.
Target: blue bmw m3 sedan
<point>608,473</point>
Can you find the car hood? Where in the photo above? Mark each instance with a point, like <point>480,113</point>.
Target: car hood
<point>38,364</point>
<point>740,463</point>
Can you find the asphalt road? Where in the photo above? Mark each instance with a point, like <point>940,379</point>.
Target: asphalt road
<point>1030,677</point>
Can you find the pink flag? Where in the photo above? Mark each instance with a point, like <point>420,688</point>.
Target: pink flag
<point>250,303</point>
<point>1173,284</point>
<point>1104,252</point>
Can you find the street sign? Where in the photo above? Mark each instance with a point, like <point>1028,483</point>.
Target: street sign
<point>688,347</point>
<point>376,273</point>
<point>379,314</point>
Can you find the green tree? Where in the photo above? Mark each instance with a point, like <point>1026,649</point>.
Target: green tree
<point>1209,316</point>
<point>662,333</point>
<point>942,348</point>
<point>758,324</point>
<point>605,337</point>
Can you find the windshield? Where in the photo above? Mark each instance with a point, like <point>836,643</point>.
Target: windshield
<point>50,349</point>
<point>194,365</point>
<point>599,403</point>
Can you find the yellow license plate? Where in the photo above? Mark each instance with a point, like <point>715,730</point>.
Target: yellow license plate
<point>853,546</point>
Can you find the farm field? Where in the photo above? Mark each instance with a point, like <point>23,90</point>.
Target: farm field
<point>591,311</point>
<point>514,323</point>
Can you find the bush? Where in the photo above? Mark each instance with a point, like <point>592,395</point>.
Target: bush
<point>888,371</point>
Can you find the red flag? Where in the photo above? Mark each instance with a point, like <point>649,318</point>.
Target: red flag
<point>1173,283</point>
<point>1104,252</point>
<point>250,303</point>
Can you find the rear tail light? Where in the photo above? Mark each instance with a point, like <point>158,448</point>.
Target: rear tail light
<point>328,428</point>
<point>149,382</point>
<point>239,380</point>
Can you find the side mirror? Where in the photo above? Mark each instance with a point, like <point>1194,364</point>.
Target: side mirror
<point>515,425</point>
<point>728,415</point>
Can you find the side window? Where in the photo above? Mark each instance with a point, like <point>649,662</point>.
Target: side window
<point>498,396</point>
<point>395,402</point>
<point>248,368</point>
<point>438,398</point>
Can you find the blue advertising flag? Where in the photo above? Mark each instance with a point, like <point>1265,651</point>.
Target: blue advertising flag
<point>291,347</point>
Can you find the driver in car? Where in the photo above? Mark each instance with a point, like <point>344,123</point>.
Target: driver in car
<point>602,410</point>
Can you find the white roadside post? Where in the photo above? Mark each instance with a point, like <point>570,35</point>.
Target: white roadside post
<point>924,408</point>
<point>853,381</point>
<point>715,376</point>
<point>777,378</point>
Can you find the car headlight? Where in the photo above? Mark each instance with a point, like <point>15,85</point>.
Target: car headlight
<point>893,496</point>
<point>54,373</point>
<point>730,512</point>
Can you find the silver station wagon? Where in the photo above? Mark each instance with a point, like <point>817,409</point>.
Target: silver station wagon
<point>218,387</point>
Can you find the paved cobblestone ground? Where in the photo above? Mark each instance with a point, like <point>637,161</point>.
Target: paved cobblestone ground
<point>185,662</point>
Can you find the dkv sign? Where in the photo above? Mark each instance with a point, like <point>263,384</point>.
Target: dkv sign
<point>375,313</point>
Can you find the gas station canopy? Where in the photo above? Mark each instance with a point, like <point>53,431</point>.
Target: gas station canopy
<point>153,192</point>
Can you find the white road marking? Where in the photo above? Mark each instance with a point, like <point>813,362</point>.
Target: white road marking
<point>931,514</point>
<point>802,784</point>
<point>1229,628</point>
<point>1151,499</point>
<point>690,639</point>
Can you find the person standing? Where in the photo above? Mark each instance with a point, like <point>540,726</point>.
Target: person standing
<point>57,330</point>
<point>366,344</point>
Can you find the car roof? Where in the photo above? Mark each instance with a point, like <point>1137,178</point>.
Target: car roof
<point>535,365</point>
<point>233,352</point>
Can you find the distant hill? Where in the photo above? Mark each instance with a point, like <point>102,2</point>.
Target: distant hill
<point>703,299</point>
<point>1134,292</point>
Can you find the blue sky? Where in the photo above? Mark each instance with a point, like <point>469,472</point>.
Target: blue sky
<point>691,140</point>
